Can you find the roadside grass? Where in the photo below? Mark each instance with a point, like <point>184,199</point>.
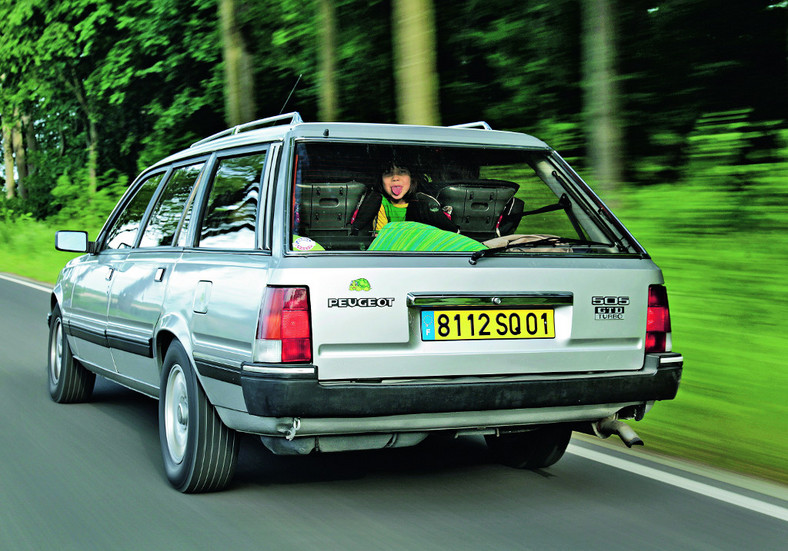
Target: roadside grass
<point>27,248</point>
<point>728,309</point>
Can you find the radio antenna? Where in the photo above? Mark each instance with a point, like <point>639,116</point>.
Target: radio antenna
<point>291,93</point>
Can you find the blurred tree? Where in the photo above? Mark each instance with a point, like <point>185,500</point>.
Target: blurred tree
<point>603,137</point>
<point>20,159</point>
<point>680,59</point>
<point>413,29</point>
<point>514,64</point>
<point>366,81</point>
<point>8,162</point>
<point>327,52</point>
<point>238,69</point>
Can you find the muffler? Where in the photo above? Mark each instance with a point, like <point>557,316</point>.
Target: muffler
<point>610,425</point>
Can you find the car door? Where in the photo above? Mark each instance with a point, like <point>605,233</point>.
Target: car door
<point>224,265</point>
<point>86,322</point>
<point>139,284</point>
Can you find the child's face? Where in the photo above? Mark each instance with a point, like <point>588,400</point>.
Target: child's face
<point>396,183</point>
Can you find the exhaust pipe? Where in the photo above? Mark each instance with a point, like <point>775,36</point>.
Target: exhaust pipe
<point>610,425</point>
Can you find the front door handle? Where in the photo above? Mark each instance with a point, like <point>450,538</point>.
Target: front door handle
<point>159,274</point>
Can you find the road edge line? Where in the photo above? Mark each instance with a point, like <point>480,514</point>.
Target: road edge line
<point>701,488</point>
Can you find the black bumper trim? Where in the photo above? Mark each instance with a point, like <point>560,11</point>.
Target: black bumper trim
<point>274,397</point>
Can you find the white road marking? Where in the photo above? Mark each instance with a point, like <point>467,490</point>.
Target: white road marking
<point>31,284</point>
<point>680,482</point>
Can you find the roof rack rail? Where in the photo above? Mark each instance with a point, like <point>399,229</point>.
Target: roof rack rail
<point>481,125</point>
<point>294,118</point>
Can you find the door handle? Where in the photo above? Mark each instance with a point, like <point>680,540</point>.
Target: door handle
<point>159,274</point>
<point>109,274</point>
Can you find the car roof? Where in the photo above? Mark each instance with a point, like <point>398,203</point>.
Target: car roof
<point>477,133</point>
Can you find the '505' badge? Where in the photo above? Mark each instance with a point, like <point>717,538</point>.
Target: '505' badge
<point>610,301</point>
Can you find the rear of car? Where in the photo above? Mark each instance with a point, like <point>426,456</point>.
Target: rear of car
<point>250,284</point>
<point>375,337</point>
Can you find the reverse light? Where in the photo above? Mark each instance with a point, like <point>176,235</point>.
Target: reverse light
<point>657,320</point>
<point>283,330</point>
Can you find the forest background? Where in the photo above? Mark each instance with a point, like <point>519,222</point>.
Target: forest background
<point>674,111</point>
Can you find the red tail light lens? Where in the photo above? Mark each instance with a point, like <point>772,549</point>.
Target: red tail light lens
<point>284,319</point>
<point>657,319</point>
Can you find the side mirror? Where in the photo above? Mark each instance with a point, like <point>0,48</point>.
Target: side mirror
<point>72,241</point>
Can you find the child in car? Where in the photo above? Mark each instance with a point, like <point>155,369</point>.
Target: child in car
<point>396,198</point>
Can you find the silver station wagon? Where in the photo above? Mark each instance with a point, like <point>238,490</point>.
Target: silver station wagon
<point>338,286</point>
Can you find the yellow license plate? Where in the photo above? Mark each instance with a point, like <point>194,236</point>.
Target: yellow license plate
<point>460,325</point>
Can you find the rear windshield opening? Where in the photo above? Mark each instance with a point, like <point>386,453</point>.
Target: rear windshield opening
<point>379,197</point>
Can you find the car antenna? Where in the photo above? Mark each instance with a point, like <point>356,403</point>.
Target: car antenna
<point>291,93</point>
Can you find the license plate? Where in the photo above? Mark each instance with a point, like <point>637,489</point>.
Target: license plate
<point>460,325</point>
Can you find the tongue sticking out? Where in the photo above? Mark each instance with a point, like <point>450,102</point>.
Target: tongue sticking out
<point>396,190</point>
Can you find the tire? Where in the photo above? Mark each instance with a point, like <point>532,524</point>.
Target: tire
<point>199,451</point>
<point>534,449</point>
<point>69,381</point>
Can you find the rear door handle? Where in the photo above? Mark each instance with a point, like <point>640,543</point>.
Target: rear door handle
<point>159,274</point>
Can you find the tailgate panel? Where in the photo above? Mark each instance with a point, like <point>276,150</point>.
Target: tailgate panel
<point>370,327</point>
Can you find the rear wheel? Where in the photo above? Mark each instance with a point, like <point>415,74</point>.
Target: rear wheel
<point>534,449</point>
<point>69,381</point>
<point>199,451</point>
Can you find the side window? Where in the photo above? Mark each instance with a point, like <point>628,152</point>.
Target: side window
<point>231,209</point>
<point>124,230</point>
<point>163,223</point>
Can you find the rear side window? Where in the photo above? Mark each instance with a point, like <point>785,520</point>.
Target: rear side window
<point>163,225</point>
<point>231,208</point>
<point>123,232</point>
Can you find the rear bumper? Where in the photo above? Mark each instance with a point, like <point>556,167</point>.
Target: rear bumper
<point>300,394</point>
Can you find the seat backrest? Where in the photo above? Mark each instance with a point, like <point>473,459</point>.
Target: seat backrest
<point>476,204</point>
<point>325,208</point>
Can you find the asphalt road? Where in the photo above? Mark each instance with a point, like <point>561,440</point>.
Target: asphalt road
<point>90,476</point>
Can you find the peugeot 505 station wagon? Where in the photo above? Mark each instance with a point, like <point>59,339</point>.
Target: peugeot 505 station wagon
<point>337,286</point>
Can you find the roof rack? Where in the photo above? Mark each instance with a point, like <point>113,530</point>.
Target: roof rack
<point>294,118</point>
<point>481,125</point>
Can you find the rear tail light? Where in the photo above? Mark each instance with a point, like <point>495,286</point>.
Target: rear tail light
<point>283,331</point>
<point>657,320</point>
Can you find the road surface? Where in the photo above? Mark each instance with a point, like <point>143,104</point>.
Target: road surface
<point>90,476</point>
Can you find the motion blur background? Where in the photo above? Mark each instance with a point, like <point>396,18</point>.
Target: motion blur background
<point>674,111</point>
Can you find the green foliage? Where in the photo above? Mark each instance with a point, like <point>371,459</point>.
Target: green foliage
<point>75,205</point>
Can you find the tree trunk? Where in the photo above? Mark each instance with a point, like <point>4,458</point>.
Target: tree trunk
<point>8,158</point>
<point>76,87</point>
<point>93,158</point>
<point>238,73</point>
<point>32,144</point>
<point>19,156</point>
<point>415,65</point>
<point>327,49</point>
<point>603,133</point>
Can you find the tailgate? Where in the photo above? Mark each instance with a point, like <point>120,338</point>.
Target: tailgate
<point>506,317</point>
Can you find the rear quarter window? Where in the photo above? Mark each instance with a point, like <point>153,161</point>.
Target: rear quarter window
<point>232,203</point>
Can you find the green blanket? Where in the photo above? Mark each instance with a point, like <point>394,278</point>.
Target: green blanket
<point>413,236</point>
